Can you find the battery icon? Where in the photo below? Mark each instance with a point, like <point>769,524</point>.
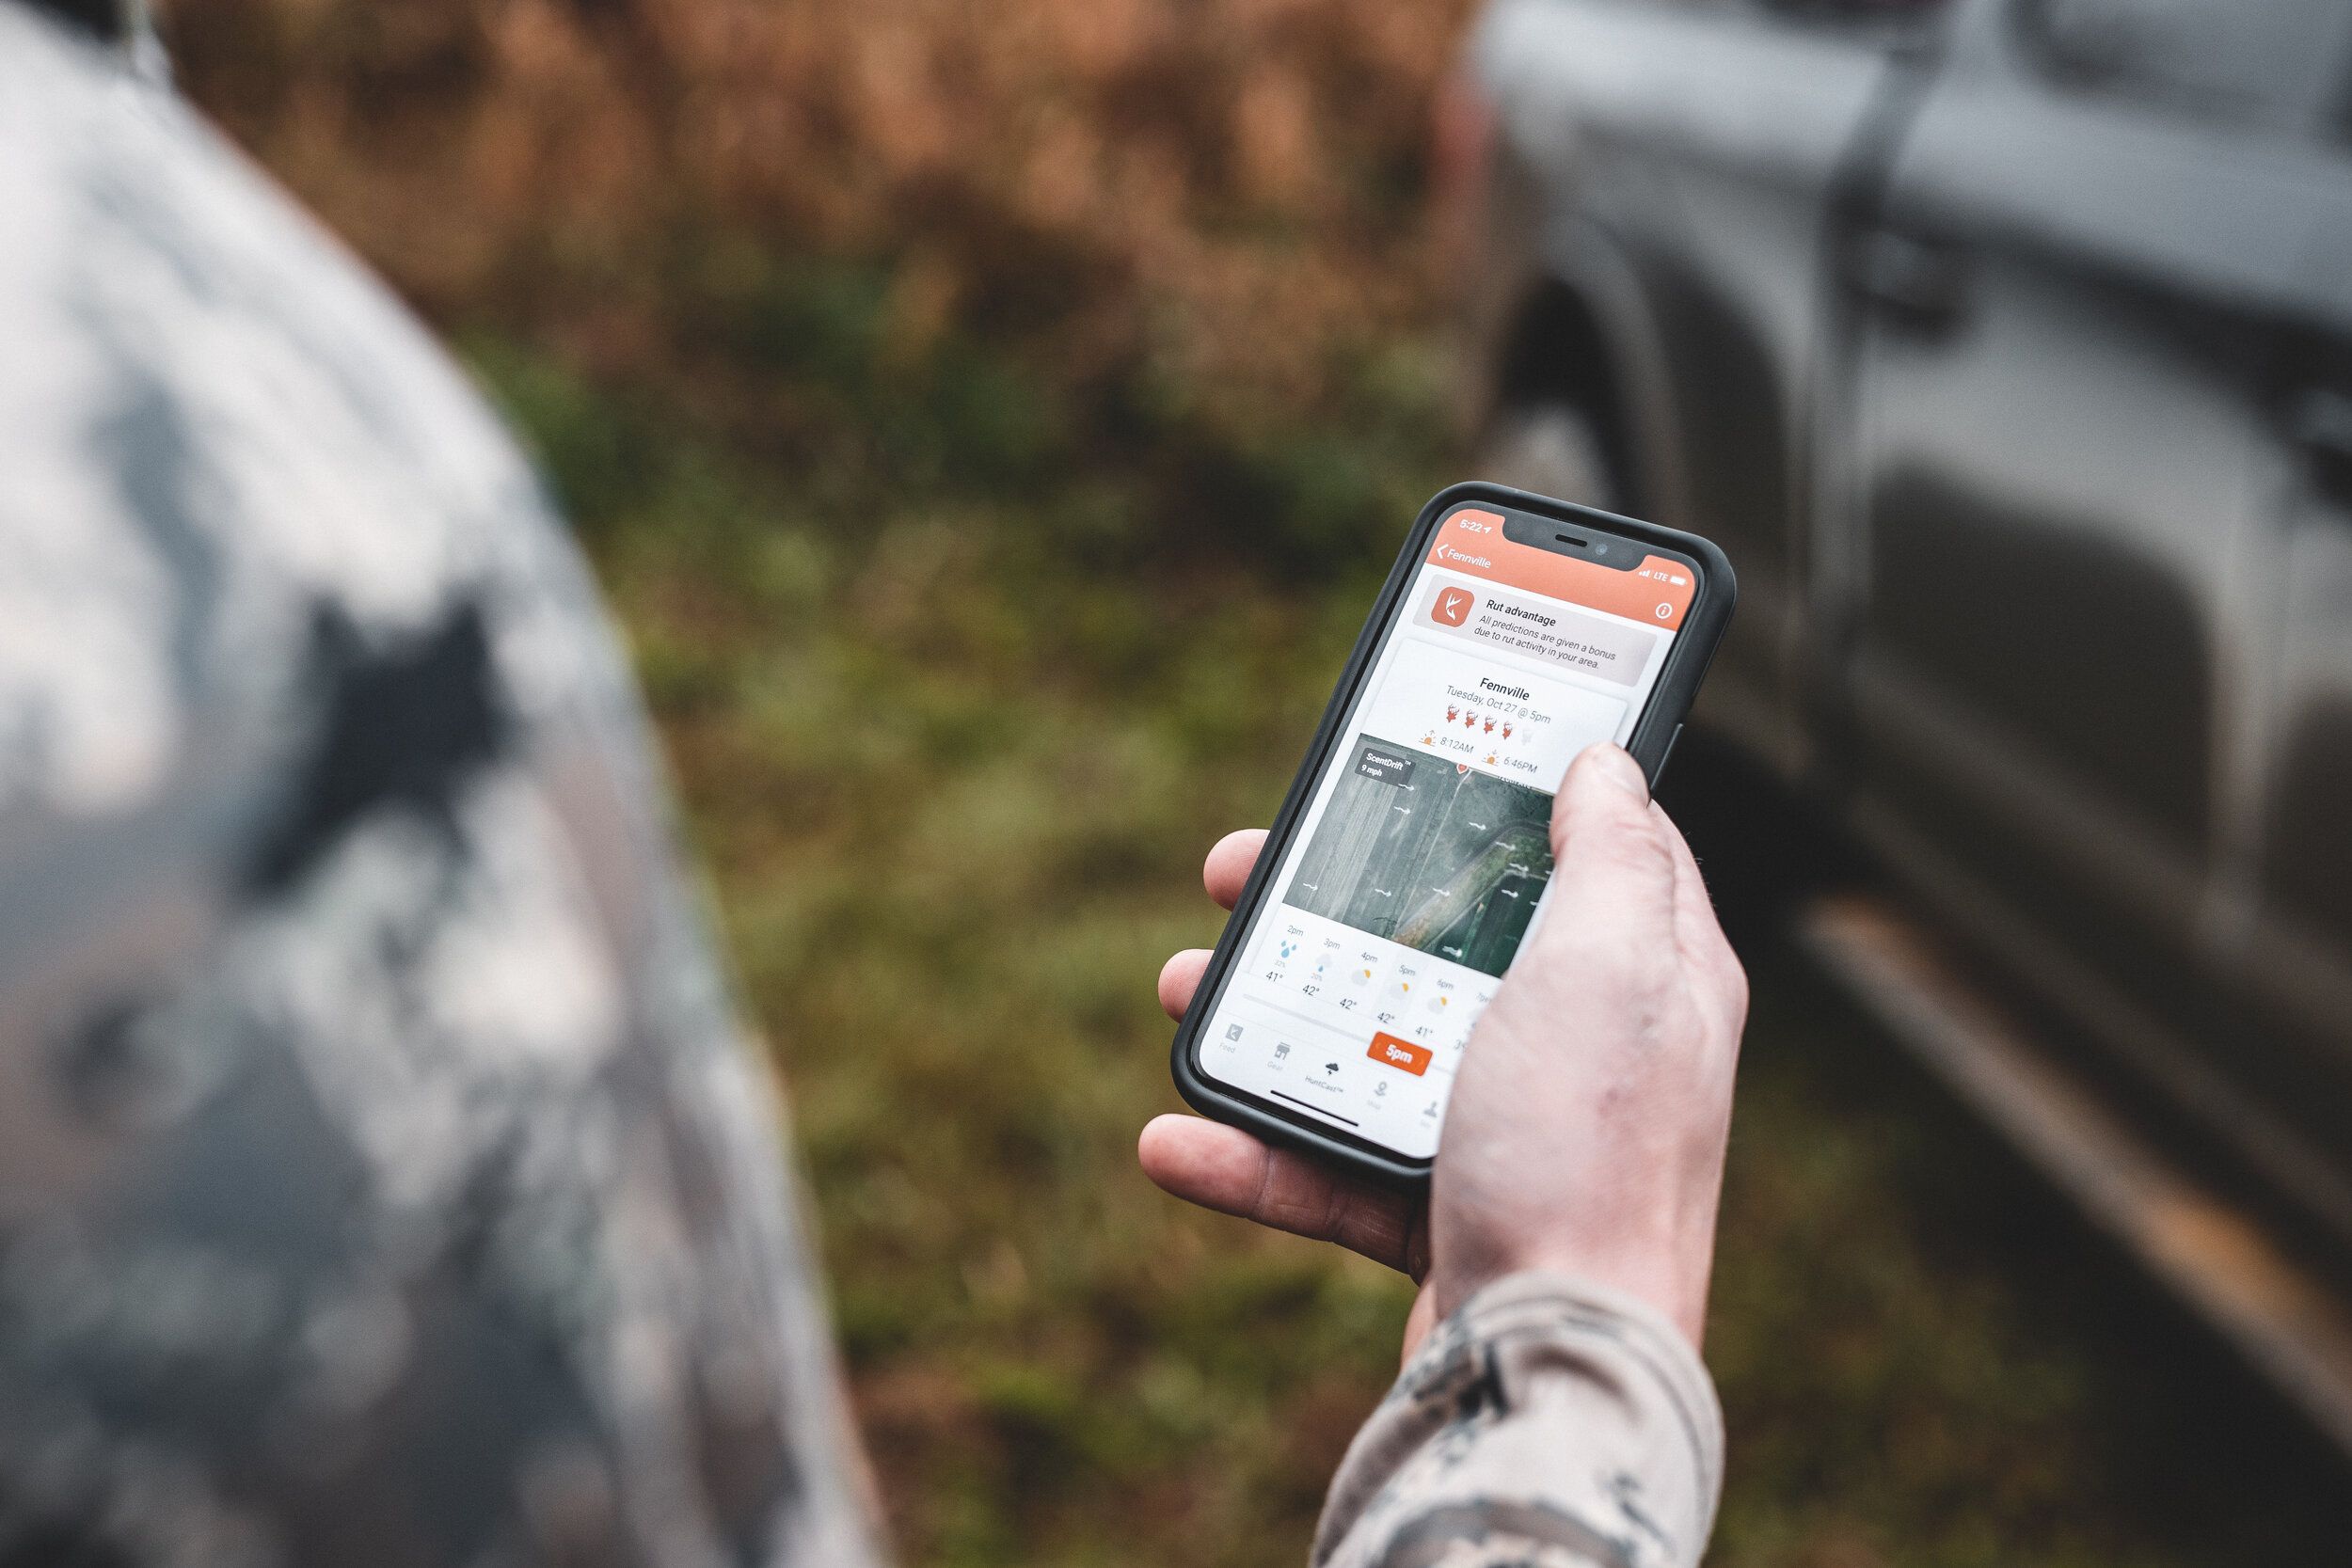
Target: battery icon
<point>1680,582</point>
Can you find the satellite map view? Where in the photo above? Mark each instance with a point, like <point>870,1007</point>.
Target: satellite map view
<point>1430,854</point>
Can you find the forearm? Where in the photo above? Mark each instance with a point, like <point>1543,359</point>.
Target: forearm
<point>1547,1422</point>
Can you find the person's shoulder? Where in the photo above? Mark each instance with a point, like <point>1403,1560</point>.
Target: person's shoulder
<point>54,73</point>
<point>220,428</point>
<point>163,245</point>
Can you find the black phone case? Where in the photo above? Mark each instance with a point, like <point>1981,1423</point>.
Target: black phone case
<point>1653,738</point>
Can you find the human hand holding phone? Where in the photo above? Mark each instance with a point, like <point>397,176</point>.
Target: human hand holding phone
<point>1586,1130</point>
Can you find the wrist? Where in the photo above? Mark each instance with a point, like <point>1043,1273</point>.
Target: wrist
<point>1673,1291</point>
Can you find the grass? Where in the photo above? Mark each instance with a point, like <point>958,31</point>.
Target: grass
<point>952,779</point>
<point>953,724</point>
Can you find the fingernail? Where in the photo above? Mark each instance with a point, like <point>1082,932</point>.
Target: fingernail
<point>1611,762</point>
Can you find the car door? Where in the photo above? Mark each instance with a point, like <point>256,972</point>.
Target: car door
<point>2072,302</point>
<point>1692,151</point>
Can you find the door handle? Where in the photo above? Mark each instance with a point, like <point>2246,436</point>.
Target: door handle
<point>1923,281</point>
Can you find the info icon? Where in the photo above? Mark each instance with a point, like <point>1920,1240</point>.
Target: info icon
<point>1451,605</point>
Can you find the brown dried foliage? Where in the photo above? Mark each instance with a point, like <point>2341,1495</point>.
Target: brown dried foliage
<point>1225,188</point>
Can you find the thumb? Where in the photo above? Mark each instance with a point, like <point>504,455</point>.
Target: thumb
<point>1614,870</point>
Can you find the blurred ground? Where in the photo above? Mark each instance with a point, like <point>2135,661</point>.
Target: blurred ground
<point>990,422</point>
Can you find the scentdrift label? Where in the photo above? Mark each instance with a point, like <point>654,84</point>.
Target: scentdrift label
<point>1385,766</point>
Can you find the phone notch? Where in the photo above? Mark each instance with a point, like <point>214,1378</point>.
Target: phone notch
<point>1569,539</point>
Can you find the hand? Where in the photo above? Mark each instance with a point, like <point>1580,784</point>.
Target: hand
<point>1587,1125</point>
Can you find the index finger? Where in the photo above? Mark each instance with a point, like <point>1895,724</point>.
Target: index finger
<point>1228,868</point>
<point>1225,1170</point>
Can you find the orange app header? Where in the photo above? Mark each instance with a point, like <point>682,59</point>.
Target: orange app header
<point>1656,592</point>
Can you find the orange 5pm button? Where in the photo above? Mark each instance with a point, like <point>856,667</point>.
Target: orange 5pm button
<point>1404,1055</point>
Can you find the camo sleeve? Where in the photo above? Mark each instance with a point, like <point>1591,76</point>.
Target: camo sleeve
<point>1550,1423</point>
<point>386,1176</point>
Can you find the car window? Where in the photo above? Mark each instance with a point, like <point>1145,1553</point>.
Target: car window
<point>2272,62</point>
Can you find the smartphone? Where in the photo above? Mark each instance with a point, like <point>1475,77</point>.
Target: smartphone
<point>1414,850</point>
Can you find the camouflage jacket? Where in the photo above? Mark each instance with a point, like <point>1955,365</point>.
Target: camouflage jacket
<point>384,1177</point>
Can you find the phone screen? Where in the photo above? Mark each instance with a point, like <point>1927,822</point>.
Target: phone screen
<point>1425,852</point>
